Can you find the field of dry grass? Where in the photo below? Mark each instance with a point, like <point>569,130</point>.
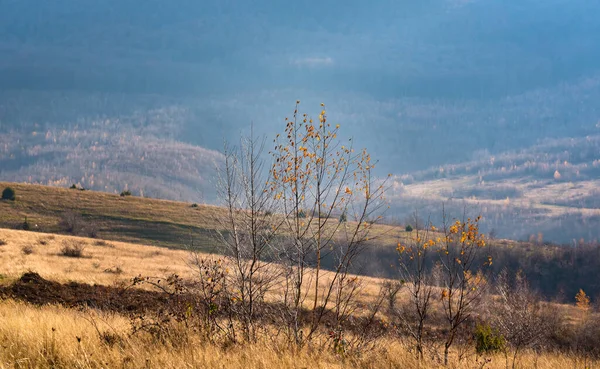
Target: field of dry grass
<point>52,336</point>
<point>129,219</point>
<point>136,231</point>
<point>55,337</point>
<point>104,262</point>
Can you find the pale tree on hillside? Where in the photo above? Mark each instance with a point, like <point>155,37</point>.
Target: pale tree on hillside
<point>519,315</point>
<point>315,178</point>
<point>248,228</point>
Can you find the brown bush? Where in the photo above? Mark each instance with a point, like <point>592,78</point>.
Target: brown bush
<point>27,250</point>
<point>72,248</point>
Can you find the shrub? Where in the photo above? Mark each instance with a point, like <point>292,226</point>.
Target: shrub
<point>27,249</point>
<point>73,186</point>
<point>408,228</point>
<point>301,214</point>
<point>488,340</point>
<point>3,242</point>
<point>125,193</point>
<point>343,218</point>
<point>72,249</point>
<point>110,339</point>
<point>194,205</point>
<point>9,194</point>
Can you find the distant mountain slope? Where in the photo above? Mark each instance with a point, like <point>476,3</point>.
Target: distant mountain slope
<point>552,189</point>
<point>109,153</point>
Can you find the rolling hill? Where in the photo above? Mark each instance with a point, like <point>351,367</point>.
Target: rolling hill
<point>552,269</point>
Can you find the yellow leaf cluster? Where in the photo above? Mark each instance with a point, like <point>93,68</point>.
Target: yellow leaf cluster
<point>582,300</point>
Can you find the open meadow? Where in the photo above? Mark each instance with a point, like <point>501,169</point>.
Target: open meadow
<point>55,323</point>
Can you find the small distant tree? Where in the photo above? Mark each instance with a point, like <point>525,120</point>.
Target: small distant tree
<point>408,228</point>
<point>9,194</point>
<point>71,222</point>
<point>415,221</point>
<point>582,301</point>
<point>125,193</point>
<point>391,289</point>
<point>343,218</point>
<point>25,226</point>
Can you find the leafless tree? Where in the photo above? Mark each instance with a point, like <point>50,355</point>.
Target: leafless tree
<point>71,222</point>
<point>416,277</point>
<point>519,315</point>
<point>248,229</point>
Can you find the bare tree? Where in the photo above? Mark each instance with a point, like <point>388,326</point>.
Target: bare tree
<point>248,229</point>
<point>71,221</point>
<point>518,315</point>
<point>417,278</point>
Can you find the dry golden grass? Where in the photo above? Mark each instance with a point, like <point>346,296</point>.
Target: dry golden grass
<point>29,340</point>
<point>55,337</point>
<point>101,259</point>
<point>27,334</point>
<point>98,258</point>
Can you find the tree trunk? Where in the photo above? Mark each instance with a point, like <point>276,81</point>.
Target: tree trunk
<point>446,350</point>
<point>515,358</point>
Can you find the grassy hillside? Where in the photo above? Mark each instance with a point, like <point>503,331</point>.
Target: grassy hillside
<point>132,219</point>
<point>65,332</point>
<point>556,272</point>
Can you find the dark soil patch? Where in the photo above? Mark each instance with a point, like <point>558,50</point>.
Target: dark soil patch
<point>131,301</point>
<point>36,290</point>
